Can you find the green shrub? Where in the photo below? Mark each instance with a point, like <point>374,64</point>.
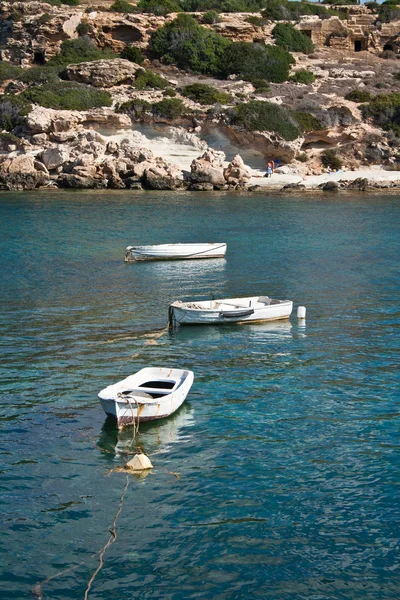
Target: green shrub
<point>256,61</point>
<point>122,6</point>
<point>84,28</point>
<point>67,95</point>
<point>53,2</point>
<point>307,121</point>
<point>302,157</point>
<point>149,80</point>
<point>256,21</point>
<point>40,75</point>
<point>136,108</point>
<point>133,54</point>
<point>359,96</point>
<point>384,111</point>
<point>261,85</point>
<point>44,18</point>
<point>169,108</point>
<point>290,38</point>
<point>331,160</point>
<point>169,93</point>
<point>13,110</point>
<point>211,17</point>
<point>265,116</point>
<point>71,2</point>
<point>205,94</point>
<point>159,7</point>
<point>303,76</point>
<point>283,10</point>
<point>190,46</point>
<point>79,50</point>
<point>9,71</point>
<point>373,6</point>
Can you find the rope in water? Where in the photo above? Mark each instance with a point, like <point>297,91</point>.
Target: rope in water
<point>110,541</point>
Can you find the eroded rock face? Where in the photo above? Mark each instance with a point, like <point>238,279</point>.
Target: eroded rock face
<point>208,169</point>
<point>236,173</point>
<point>22,172</point>
<point>104,73</point>
<point>47,120</point>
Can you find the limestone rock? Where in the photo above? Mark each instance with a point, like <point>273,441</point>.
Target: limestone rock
<point>236,173</point>
<point>162,177</point>
<point>54,157</point>
<point>72,180</point>
<point>104,73</point>
<point>330,186</point>
<point>21,173</point>
<point>207,169</point>
<point>48,120</point>
<point>201,187</point>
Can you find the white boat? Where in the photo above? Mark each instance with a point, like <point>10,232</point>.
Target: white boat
<point>229,310</point>
<point>175,251</point>
<point>151,393</point>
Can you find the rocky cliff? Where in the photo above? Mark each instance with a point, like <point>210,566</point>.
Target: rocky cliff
<point>144,128</point>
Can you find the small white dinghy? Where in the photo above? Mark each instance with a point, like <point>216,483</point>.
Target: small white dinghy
<point>229,310</point>
<point>175,252</point>
<point>151,393</point>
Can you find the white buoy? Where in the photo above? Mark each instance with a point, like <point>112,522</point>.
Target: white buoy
<point>140,462</point>
<point>301,312</point>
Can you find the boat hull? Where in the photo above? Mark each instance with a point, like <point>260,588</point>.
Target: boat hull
<point>175,252</point>
<point>192,316</point>
<point>133,411</point>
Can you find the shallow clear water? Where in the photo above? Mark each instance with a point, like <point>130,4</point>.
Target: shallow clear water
<point>288,444</point>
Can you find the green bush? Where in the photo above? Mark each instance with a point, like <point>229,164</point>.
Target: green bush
<point>149,80</point>
<point>136,108</point>
<point>303,76</point>
<point>190,46</point>
<point>9,71</point>
<point>67,95</point>
<point>211,17</point>
<point>331,160</point>
<point>283,10</point>
<point>302,157</point>
<point>256,61</point>
<point>84,28</point>
<point>307,121</point>
<point>40,75</point>
<point>122,6</point>
<point>133,54</point>
<point>71,2</point>
<point>256,21</point>
<point>359,96</point>
<point>52,2</point>
<point>13,110</point>
<point>169,108</point>
<point>384,111</point>
<point>290,38</point>
<point>265,116</point>
<point>44,18</point>
<point>159,7</point>
<point>205,94</point>
<point>169,92</point>
<point>77,51</point>
<point>261,85</point>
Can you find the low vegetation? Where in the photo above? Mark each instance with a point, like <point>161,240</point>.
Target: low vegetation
<point>122,6</point>
<point>67,95</point>
<point>13,110</point>
<point>290,38</point>
<point>133,54</point>
<point>78,51</point>
<point>384,111</point>
<point>359,96</point>
<point>331,160</point>
<point>264,116</point>
<point>256,61</point>
<point>205,94</point>
<point>169,108</point>
<point>303,76</point>
<point>148,80</point>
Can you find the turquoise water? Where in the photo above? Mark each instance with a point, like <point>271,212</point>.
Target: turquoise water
<point>287,447</point>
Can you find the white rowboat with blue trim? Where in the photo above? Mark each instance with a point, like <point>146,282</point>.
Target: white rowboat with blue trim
<point>229,310</point>
<point>151,393</point>
<point>175,251</point>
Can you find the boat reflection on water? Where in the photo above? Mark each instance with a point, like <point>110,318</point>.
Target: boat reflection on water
<point>187,270</point>
<point>266,331</point>
<point>153,436</point>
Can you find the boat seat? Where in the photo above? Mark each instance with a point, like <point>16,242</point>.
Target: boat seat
<point>265,299</point>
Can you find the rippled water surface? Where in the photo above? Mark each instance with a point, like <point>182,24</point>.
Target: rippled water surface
<point>287,447</point>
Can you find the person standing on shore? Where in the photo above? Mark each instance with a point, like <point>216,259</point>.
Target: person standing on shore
<point>270,169</point>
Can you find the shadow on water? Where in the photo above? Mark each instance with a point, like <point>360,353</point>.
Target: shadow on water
<point>152,437</point>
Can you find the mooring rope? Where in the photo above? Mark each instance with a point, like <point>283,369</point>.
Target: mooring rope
<point>110,541</point>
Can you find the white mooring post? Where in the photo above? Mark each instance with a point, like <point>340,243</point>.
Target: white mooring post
<point>301,312</point>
